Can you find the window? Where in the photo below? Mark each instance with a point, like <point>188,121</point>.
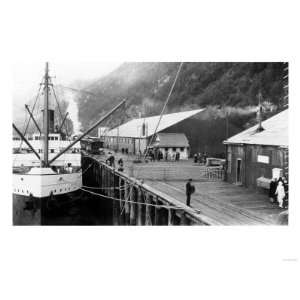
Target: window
<point>166,148</point>
<point>52,150</point>
<point>181,149</point>
<point>36,138</point>
<point>56,138</point>
<point>174,149</point>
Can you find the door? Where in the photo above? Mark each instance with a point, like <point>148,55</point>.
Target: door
<point>239,171</point>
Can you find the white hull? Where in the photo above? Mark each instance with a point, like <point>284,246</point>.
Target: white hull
<point>43,185</point>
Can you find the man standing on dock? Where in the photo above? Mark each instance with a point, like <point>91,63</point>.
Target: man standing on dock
<point>189,190</point>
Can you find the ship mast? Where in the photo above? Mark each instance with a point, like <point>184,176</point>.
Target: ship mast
<point>46,117</point>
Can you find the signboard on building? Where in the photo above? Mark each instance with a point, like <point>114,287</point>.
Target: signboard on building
<point>263,159</point>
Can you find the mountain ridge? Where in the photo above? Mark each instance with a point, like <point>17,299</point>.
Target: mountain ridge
<point>199,85</point>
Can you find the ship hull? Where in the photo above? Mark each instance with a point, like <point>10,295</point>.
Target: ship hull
<point>35,196</point>
<point>30,210</point>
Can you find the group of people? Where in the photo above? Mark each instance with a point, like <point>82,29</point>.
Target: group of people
<point>200,158</point>
<point>278,191</point>
<point>158,155</point>
<point>111,162</point>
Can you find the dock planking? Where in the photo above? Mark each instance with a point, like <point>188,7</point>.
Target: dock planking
<point>224,202</point>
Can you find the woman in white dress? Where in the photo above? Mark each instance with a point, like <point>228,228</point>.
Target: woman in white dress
<point>280,193</point>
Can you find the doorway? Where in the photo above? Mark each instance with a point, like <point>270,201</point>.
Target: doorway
<point>239,171</point>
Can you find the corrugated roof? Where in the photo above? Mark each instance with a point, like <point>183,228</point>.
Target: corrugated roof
<point>134,127</point>
<point>171,140</point>
<point>275,132</point>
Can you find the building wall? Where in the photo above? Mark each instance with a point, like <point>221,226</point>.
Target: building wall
<point>205,134</point>
<point>133,145</point>
<point>184,153</point>
<point>251,167</point>
<point>140,145</point>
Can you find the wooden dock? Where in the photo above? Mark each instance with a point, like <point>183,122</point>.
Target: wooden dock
<point>226,203</point>
<point>215,202</point>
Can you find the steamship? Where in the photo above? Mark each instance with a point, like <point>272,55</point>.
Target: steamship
<point>47,164</point>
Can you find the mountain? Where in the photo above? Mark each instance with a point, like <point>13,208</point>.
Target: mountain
<point>219,85</point>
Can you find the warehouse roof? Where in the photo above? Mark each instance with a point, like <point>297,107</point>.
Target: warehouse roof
<point>275,132</point>
<point>171,140</point>
<point>134,128</point>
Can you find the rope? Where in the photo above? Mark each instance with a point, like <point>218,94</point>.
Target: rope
<point>134,202</point>
<point>103,188</point>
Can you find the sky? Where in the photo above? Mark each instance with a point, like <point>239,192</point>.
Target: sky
<point>28,75</point>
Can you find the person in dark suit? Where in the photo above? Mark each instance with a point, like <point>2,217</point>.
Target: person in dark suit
<point>189,190</point>
<point>272,190</point>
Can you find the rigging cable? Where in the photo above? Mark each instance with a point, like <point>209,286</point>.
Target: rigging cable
<point>160,117</point>
<point>25,131</point>
<point>164,107</point>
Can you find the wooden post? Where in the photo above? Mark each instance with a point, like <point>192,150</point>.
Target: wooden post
<point>148,220</point>
<point>133,207</point>
<point>170,216</point>
<point>183,219</point>
<point>115,194</point>
<point>121,205</point>
<point>101,178</point>
<point>156,212</point>
<point>110,183</point>
<point>106,181</point>
<point>127,208</point>
<point>140,207</point>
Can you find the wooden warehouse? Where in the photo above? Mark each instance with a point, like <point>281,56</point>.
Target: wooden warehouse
<point>134,136</point>
<point>258,154</point>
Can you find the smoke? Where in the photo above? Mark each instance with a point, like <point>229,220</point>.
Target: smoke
<point>215,112</point>
<point>69,96</point>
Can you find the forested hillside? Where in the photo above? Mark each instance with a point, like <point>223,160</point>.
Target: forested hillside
<point>234,86</point>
